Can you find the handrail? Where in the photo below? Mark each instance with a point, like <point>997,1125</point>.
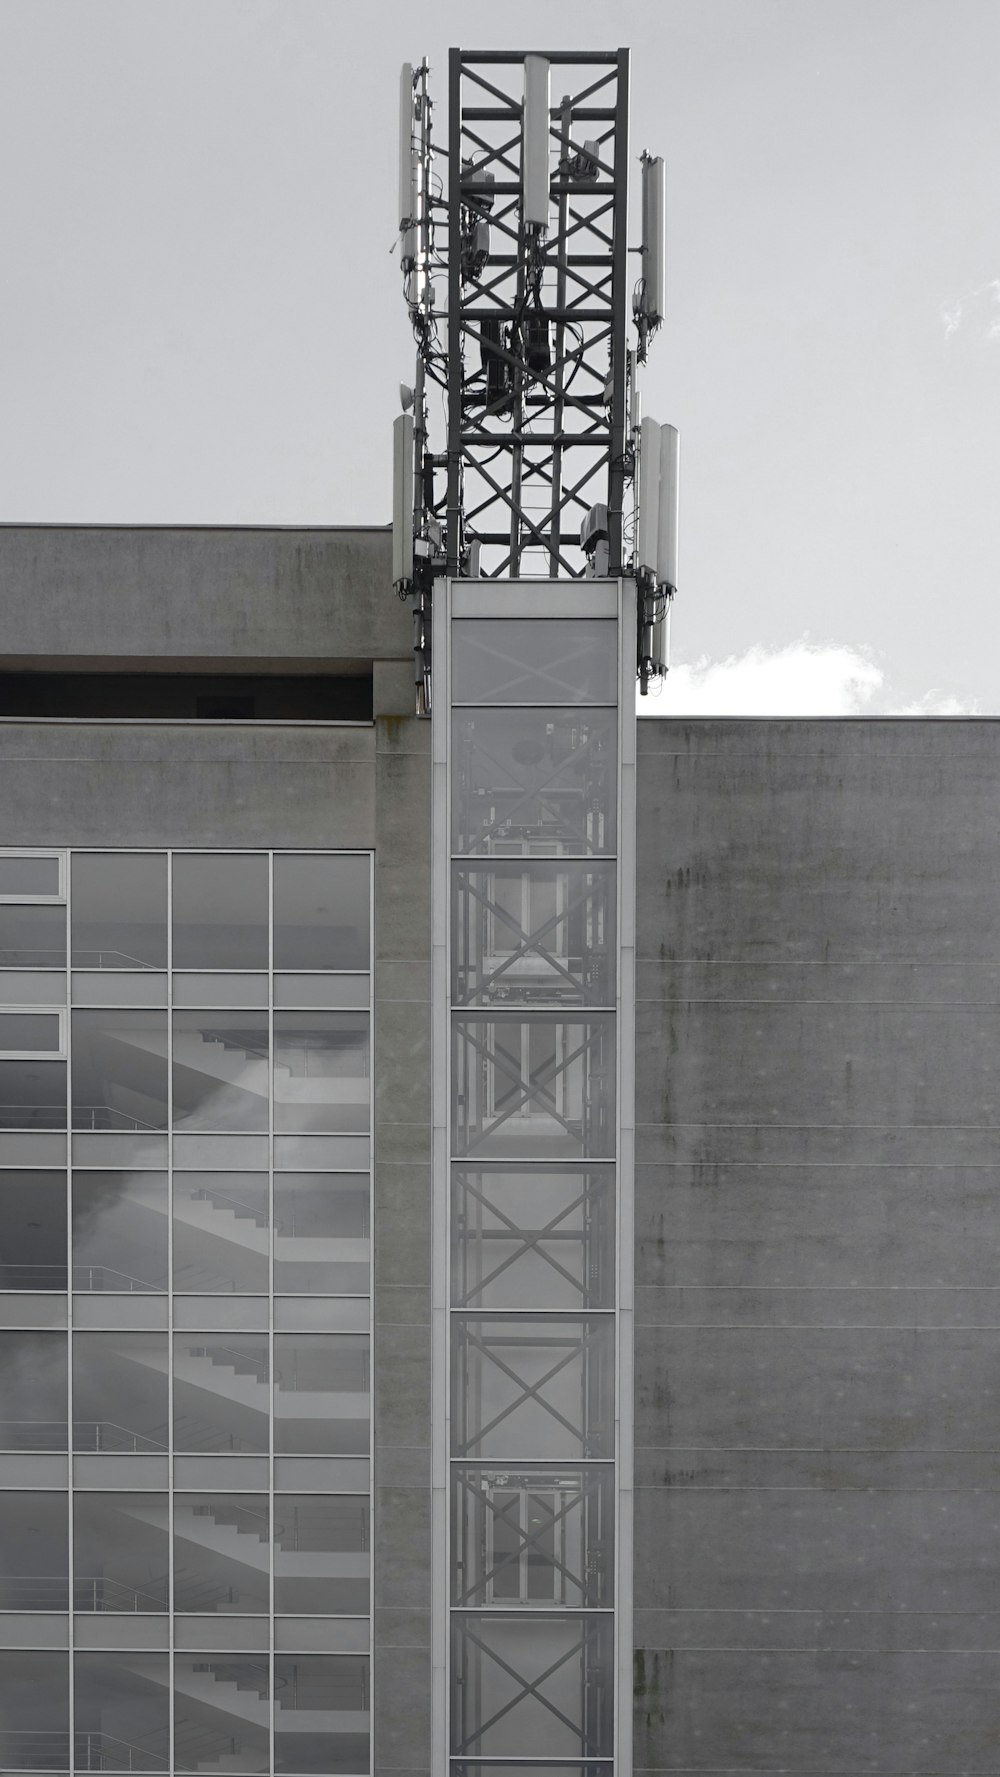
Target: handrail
<point>135,1284</point>
<point>117,1120</point>
<point>255,1365</point>
<point>207,1194</point>
<point>106,1588</point>
<point>220,1515</point>
<point>135,1441</point>
<point>133,962</point>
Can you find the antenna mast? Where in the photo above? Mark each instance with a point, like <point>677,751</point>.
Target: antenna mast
<point>516,277</point>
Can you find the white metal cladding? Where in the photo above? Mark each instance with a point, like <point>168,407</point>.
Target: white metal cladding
<point>209,1173</point>
<point>533,885</point>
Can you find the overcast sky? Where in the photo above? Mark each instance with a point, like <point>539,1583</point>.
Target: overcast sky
<point>201,321</point>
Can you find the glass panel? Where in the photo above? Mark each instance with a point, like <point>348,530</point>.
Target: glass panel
<point>32,1148</point>
<point>319,1314</point>
<point>33,937</point>
<point>29,876</point>
<point>119,1070</point>
<point>222,1394</point>
<point>321,1713</point>
<point>122,1718</point>
<point>543,660</point>
<point>220,1232</point>
<point>321,1233</point>
<point>32,987</point>
<point>31,1033</point>
<point>321,1068</point>
<point>533,932</point>
<point>120,1147</point>
<point>121,1552</point>
<point>224,1152</point>
<point>220,1070</point>
<point>119,902</point>
<point>544,1386</point>
<point>322,990</point>
<point>120,1231</point>
<point>533,1536</point>
<point>33,1391</point>
<point>319,1153</point>
<point>120,1392</point>
<point>34,1551</point>
<point>118,987</point>
<point>321,912</point>
<point>220,911</point>
<point>534,783</point>
<point>34,1711</point>
<point>534,1088</point>
<point>221,1553</point>
<point>33,1094</point>
<point>321,1554</point>
<point>32,1230</point>
<point>533,1687</point>
<point>538,1234</point>
<point>222,1713</point>
<point>220,990</point>
<point>321,1393</point>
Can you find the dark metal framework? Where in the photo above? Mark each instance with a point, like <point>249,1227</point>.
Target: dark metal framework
<point>538,366</point>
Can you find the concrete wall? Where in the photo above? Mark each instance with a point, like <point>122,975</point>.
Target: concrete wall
<point>818,1219</point>
<point>98,595</point>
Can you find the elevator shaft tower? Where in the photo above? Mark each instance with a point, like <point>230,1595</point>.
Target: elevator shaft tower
<point>536,598</point>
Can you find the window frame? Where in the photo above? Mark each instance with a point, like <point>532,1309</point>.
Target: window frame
<point>29,900</point>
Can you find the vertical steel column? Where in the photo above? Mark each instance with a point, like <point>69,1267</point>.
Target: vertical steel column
<point>456,352</point>
<point>619,386</point>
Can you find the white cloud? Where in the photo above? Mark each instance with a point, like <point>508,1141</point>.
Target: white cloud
<point>979,308</point>
<point>803,678</point>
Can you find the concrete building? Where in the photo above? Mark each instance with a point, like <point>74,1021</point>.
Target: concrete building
<point>223,1268</point>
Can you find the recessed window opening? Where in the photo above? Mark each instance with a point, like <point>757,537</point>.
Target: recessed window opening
<point>189,697</point>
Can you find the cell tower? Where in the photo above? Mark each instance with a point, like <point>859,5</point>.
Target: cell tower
<point>519,279</point>
<point>537,540</point>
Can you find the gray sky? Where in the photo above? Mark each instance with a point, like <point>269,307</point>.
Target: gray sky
<point>201,321</point>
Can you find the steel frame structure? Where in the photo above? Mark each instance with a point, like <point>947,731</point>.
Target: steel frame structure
<point>538,367</point>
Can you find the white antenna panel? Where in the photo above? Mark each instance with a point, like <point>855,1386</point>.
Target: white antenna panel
<point>647,529</point>
<point>535,142</point>
<point>654,239</point>
<point>402,498</point>
<point>407,181</point>
<point>668,518</point>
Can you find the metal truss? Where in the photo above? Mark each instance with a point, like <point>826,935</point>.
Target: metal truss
<point>538,369</point>
<point>563,1676</point>
<point>551,947</point>
<point>571,1250</point>
<point>570,1393</point>
<point>545,779</point>
<point>566,1097</point>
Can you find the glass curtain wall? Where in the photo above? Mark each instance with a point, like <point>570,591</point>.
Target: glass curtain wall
<point>533,808</point>
<point>185,1281</point>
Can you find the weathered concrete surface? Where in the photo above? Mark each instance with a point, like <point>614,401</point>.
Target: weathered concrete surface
<point>227,784</point>
<point>818,1312</point>
<point>87,595</point>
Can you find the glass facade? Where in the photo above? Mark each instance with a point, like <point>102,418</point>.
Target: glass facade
<point>185,1305</point>
<point>532,1144</point>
